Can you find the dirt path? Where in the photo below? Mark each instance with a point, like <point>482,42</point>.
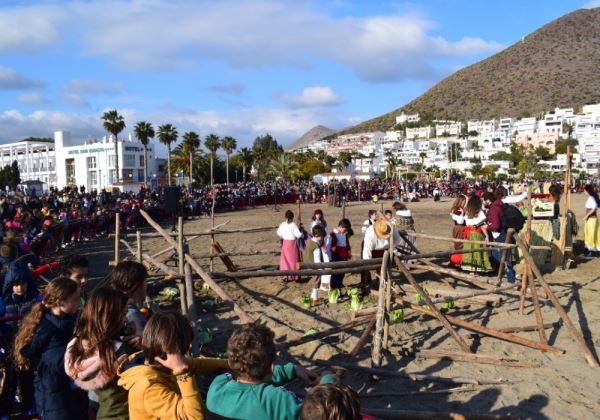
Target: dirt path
<point>563,386</point>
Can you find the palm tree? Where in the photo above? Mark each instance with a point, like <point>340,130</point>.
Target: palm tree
<point>144,132</point>
<point>246,157</point>
<point>259,155</point>
<point>114,124</point>
<point>212,144</point>
<point>282,166</point>
<point>191,140</point>
<point>168,134</point>
<point>229,144</point>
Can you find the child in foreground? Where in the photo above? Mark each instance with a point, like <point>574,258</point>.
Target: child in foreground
<point>332,401</point>
<point>41,343</point>
<point>160,379</point>
<point>254,390</point>
<point>96,350</point>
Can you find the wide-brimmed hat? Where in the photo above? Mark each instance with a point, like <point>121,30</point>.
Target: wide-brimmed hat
<point>382,229</point>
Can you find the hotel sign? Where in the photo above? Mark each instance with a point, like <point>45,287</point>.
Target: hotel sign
<point>86,151</point>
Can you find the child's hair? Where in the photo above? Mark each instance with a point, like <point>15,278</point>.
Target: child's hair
<point>500,192</point>
<point>459,203</point>
<point>372,212</point>
<point>489,196</point>
<point>331,402</point>
<point>101,321</point>
<point>128,276</point>
<point>73,261</point>
<point>318,230</point>
<point>473,207</point>
<point>398,206</point>
<point>387,212</point>
<point>319,211</point>
<point>57,291</point>
<point>251,351</point>
<point>289,216</point>
<point>166,332</point>
<point>555,192</point>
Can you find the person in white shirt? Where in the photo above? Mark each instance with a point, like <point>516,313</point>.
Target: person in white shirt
<point>289,233</point>
<point>592,227</point>
<point>370,221</point>
<point>377,240</point>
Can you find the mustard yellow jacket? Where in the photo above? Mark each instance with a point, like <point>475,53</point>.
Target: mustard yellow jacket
<point>156,394</point>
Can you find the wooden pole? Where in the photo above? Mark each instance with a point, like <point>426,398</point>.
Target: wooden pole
<point>212,225</point>
<point>191,305</point>
<point>441,317</point>
<point>471,358</point>
<point>330,331</point>
<point>363,338</point>
<point>209,232</point>
<point>589,357</point>
<point>117,238</point>
<point>443,238</point>
<point>180,263</point>
<point>376,354</point>
<point>165,250</point>
<point>488,331</point>
<point>536,307</point>
<point>509,234</point>
<point>196,267</point>
<point>523,291</point>
<point>276,273</point>
<point>388,305</point>
<point>139,246</point>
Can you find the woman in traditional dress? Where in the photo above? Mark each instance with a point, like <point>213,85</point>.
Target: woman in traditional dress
<point>458,231</point>
<point>289,233</point>
<point>592,227</point>
<point>318,219</point>
<point>475,230</point>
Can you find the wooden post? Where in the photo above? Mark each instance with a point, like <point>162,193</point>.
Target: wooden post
<point>589,357</point>
<point>388,292</point>
<point>523,290</point>
<point>441,317</point>
<point>505,251</point>
<point>536,306</point>
<point>191,305</point>
<point>117,238</point>
<point>344,208</point>
<point>180,263</point>
<point>376,355</point>
<point>212,230</point>
<point>138,235</point>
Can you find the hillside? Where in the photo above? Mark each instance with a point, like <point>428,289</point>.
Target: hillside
<point>314,134</point>
<point>557,65</point>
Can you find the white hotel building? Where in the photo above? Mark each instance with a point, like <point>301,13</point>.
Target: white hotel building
<point>91,164</point>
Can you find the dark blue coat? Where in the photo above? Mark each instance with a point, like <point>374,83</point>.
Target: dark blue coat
<point>55,394</point>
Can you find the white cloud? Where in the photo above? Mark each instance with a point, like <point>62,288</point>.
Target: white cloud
<point>93,87</point>
<point>234,88</point>
<point>32,98</point>
<point>10,79</point>
<point>241,34</point>
<point>29,28</point>
<point>316,96</point>
<point>75,100</point>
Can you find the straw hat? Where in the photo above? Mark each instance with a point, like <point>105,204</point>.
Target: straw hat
<point>382,229</point>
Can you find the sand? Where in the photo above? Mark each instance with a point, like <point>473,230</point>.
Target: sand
<point>563,386</point>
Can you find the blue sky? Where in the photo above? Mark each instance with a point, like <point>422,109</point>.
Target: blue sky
<point>240,68</point>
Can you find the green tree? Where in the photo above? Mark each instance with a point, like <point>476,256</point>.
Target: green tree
<point>561,146</point>
<point>144,132</point>
<point>114,124</point>
<point>476,169</point>
<point>282,166</point>
<point>191,141</point>
<point>212,142</point>
<point>246,158</point>
<point>266,143</point>
<point>311,168</point>
<point>229,144</point>
<point>167,134</point>
<point>344,159</point>
<point>542,153</point>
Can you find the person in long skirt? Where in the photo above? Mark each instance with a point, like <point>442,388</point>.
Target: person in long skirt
<point>592,227</point>
<point>458,230</point>
<point>289,233</point>
<point>475,230</point>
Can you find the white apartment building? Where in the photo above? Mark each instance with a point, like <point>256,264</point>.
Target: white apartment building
<point>586,125</point>
<point>560,163</point>
<point>507,125</point>
<point>404,118</point>
<point>419,133</point>
<point>481,127</point>
<point>448,128</point>
<point>92,164</point>
<point>589,148</point>
<point>526,125</point>
<point>36,160</point>
<point>590,109</point>
<point>552,123</point>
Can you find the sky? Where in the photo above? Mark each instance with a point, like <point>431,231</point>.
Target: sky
<point>240,68</point>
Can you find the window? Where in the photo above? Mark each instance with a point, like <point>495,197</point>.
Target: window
<point>142,161</point>
<point>127,175</point>
<point>129,160</point>
<point>113,176</point>
<point>111,161</point>
<point>93,177</point>
<point>91,162</point>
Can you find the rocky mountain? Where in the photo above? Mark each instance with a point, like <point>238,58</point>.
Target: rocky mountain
<point>557,65</point>
<point>315,133</point>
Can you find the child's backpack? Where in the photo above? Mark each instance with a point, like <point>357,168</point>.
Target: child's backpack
<point>513,218</point>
